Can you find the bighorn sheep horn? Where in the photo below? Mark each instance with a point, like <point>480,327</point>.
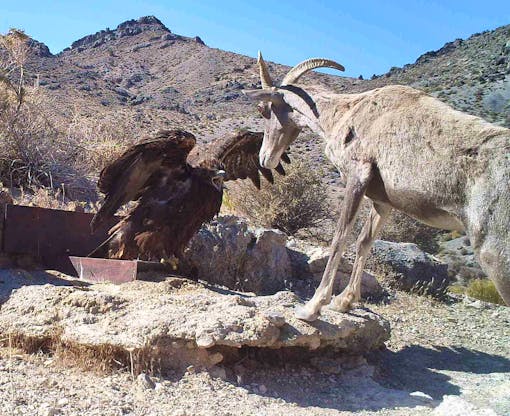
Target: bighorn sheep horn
<point>265,78</point>
<point>305,66</point>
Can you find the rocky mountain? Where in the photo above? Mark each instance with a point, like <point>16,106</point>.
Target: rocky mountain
<point>473,75</point>
<point>142,65</point>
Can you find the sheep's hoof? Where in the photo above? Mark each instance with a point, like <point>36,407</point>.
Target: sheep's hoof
<point>341,304</point>
<point>304,313</point>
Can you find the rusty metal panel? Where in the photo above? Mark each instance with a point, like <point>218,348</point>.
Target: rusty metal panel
<point>117,271</point>
<point>62,240</point>
<point>104,270</point>
<point>50,234</point>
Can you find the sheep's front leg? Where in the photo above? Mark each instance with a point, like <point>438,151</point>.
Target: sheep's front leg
<point>352,293</point>
<point>355,190</point>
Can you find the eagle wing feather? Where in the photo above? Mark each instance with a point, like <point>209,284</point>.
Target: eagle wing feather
<point>125,178</point>
<point>239,155</point>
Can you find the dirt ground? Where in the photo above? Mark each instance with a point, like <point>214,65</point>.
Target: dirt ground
<point>440,358</point>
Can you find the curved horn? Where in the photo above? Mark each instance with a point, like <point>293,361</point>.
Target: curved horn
<point>265,78</point>
<point>305,66</point>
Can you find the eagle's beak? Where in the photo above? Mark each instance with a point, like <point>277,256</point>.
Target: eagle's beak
<point>217,180</point>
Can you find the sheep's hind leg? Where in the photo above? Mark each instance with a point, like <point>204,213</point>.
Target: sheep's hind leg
<point>352,293</point>
<point>355,190</point>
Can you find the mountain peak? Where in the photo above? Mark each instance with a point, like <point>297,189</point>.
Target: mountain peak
<point>144,23</point>
<point>128,28</point>
<point>39,49</point>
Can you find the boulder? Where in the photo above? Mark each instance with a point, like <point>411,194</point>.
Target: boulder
<point>460,257</point>
<point>174,322</point>
<point>229,253</point>
<point>415,270</point>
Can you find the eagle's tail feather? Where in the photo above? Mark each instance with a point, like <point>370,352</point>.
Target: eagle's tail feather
<point>110,238</point>
<point>107,210</point>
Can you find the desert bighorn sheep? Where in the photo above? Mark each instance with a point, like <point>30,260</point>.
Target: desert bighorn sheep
<point>402,149</point>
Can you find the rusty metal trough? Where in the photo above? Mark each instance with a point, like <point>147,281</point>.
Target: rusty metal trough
<point>62,240</point>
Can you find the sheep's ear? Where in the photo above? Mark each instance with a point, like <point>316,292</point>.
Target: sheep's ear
<point>263,95</point>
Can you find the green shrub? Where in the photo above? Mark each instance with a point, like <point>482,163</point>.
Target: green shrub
<point>485,290</point>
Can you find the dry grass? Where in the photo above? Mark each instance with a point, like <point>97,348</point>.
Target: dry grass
<point>97,358</point>
<point>50,198</point>
<point>295,202</point>
<point>401,228</point>
<point>99,141</point>
<point>41,149</point>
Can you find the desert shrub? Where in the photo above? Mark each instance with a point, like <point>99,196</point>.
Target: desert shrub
<point>98,142</point>
<point>485,290</point>
<point>49,198</point>
<point>295,202</point>
<point>41,149</point>
<point>401,228</point>
<point>33,153</point>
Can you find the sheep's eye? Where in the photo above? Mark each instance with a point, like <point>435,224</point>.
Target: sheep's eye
<point>264,110</point>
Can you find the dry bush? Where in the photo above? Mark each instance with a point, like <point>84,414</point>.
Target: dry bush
<point>401,228</point>
<point>33,153</point>
<point>39,149</point>
<point>295,202</point>
<point>100,138</point>
<point>49,198</point>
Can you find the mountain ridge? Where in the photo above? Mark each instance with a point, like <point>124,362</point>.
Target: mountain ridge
<point>471,74</point>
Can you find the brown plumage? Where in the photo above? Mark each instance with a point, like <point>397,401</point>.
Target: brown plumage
<point>177,187</point>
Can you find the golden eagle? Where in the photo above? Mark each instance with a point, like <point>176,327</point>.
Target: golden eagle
<point>177,187</point>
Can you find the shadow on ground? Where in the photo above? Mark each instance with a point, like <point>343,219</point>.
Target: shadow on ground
<point>397,374</point>
<point>416,368</point>
<point>12,279</point>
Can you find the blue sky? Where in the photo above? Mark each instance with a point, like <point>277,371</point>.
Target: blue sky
<point>366,37</point>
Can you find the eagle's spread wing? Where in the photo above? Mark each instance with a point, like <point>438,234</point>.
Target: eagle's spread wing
<point>239,155</point>
<point>124,179</point>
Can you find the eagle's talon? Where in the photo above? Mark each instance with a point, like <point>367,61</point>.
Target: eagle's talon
<point>173,262</point>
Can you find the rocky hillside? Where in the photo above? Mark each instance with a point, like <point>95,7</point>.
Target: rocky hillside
<point>160,78</point>
<point>163,78</point>
<point>473,75</point>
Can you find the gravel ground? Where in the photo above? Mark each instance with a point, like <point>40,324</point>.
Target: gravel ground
<point>460,351</point>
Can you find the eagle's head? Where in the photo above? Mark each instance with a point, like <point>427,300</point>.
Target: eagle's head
<point>211,172</point>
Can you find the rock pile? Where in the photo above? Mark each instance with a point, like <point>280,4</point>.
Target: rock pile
<point>460,257</point>
<point>414,269</point>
